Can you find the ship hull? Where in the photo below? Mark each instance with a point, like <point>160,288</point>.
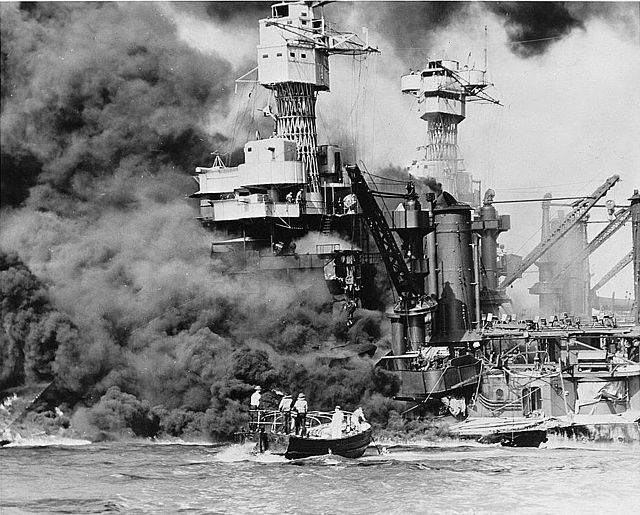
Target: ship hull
<point>353,446</point>
<point>296,447</point>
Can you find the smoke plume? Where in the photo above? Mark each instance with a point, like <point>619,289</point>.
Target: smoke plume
<point>93,92</point>
<point>105,111</point>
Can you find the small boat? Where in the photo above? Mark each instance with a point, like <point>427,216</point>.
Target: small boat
<point>350,445</point>
<point>514,432</point>
<point>268,431</point>
<point>522,438</point>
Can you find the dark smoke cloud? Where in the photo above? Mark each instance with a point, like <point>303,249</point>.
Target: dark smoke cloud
<point>231,11</point>
<point>96,90</point>
<point>31,329</point>
<point>412,28</point>
<point>532,27</point>
<point>102,115</point>
<point>225,12</point>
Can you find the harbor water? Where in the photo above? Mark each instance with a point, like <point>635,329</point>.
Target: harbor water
<point>453,477</point>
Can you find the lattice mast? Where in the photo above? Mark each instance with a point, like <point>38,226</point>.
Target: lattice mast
<point>443,89</point>
<point>293,62</point>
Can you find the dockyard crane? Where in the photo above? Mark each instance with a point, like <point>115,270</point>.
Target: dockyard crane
<point>399,273</point>
<point>576,215</point>
<point>613,272</point>
<point>621,217</point>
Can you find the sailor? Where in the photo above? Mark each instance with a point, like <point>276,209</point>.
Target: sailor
<point>299,197</point>
<point>301,407</point>
<point>336,423</point>
<point>350,307</point>
<point>255,398</point>
<point>285,409</point>
<point>255,406</point>
<point>289,198</point>
<point>357,418</point>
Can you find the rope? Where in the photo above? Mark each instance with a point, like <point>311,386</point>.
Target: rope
<point>475,395</point>
<point>426,398</point>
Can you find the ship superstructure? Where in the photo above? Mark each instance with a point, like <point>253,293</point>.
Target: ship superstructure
<point>451,343</point>
<point>516,380</point>
<point>443,89</point>
<point>288,184</point>
<point>288,177</point>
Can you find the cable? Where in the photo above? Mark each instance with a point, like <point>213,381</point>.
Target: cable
<point>538,200</point>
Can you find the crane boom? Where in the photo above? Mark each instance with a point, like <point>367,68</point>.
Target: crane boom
<point>613,272</point>
<point>569,221</point>
<point>397,269</point>
<point>620,219</point>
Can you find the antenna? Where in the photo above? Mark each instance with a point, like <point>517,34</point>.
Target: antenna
<point>486,39</point>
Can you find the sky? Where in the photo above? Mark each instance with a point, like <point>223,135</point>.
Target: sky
<point>568,117</point>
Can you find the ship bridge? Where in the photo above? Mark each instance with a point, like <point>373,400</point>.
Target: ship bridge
<point>267,184</point>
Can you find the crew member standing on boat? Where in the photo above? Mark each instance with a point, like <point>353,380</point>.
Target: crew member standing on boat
<point>301,408</point>
<point>255,398</point>
<point>357,418</point>
<point>255,405</point>
<point>285,409</point>
<point>336,423</point>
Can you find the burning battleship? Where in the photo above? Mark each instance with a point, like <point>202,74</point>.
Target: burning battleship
<point>289,184</point>
<point>456,344</point>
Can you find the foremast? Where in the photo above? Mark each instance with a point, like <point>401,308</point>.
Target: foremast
<point>293,62</point>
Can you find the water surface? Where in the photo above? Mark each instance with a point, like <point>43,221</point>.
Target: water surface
<point>145,477</point>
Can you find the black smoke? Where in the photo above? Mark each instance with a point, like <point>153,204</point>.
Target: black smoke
<point>91,91</point>
<point>31,329</point>
<point>532,27</point>
<point>104,114</point>
<point>232,11</point>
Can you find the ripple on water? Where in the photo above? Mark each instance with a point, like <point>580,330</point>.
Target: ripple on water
<point>149,478</point>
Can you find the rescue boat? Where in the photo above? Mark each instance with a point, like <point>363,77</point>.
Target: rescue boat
<point>268,430</point>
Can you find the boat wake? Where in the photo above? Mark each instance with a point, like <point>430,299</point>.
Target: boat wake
<point>246,452</point>
<point>47,441</point>
<point>188,443</point>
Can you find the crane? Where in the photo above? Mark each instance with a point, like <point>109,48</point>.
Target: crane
<point>578,213</point>
<point>399,273</point>
<point>613,272</point>
<point>621,217</point>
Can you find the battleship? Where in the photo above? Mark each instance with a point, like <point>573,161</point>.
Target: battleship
<point>457,346</point>
<point>290,185</point>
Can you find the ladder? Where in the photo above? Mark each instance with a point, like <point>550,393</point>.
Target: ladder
<point>326,224</point>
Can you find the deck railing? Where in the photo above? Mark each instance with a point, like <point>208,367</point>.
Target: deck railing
<point>274,420</point>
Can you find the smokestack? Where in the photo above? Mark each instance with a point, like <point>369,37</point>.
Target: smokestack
<point>456,301</point>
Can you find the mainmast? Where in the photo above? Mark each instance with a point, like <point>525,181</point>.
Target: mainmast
<point>443,89</point>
